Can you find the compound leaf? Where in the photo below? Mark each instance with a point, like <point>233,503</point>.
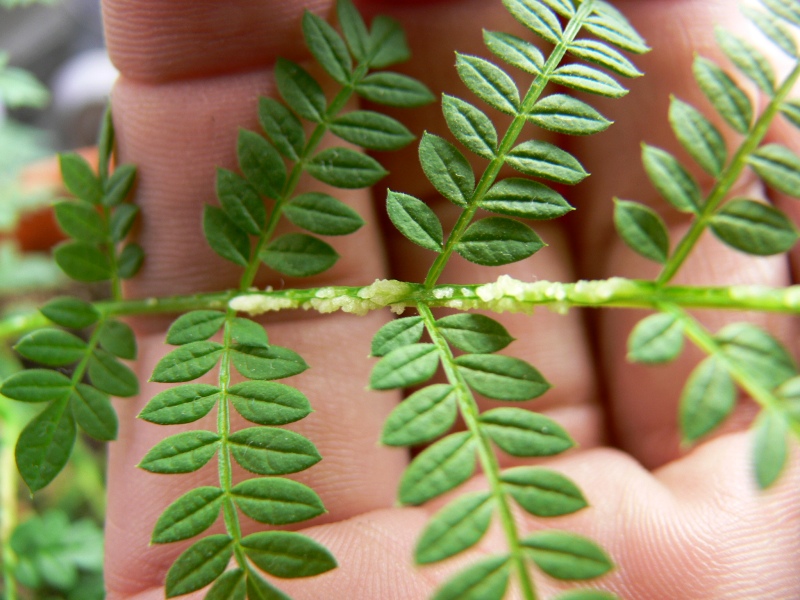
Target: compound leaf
<point>322,214</point>
<point>229,586</point>
<point>515,51</point>
<point>605,56</point>
<point>354,29</point>
<point>80,179</point>
<point>502,377</point>
<point>181,453</point>
<point>587,79</point>
<point>415,220</point>
<point>770,447</point>
<point>52,347</point>
<point>118,338</point>
<point>130,260</point>
<point>498,241</point>
<point>36,385</point>
<point>70,312</point>
<point>519,197</point>
<point>387,43</point>
<point>122,220</point>
<point>81,221</point>
<point>119,185</point>
<point>261,163</point>
<point>423,416</point>
<point>188,516</point>
<point>438,469</point>
<point>111,376</point>
<point>536,17</point>
<point>758,353</point>
<point>458,526</point>
<point>542,492</point>
<point>699,137</point>
<point>772,29</point>
<point>272,451</point>
<point>299,255</point>
<point>567,556</point>
<point>524,433</point>
<point>608,24</point>
<point>275,362</point>
<point>749,60</point>
<point>82,261</point>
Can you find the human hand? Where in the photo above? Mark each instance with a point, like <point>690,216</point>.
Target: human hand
<point>678,525</point>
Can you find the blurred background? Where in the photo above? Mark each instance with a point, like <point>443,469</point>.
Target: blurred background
<point>55,77</point>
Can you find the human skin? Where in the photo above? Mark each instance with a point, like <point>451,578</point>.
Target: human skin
<point>680,523</point>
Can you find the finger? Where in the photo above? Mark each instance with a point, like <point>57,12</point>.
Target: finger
<point>645,400</point>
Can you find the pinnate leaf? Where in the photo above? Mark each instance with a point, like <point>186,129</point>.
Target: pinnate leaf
<point>187,362</point>
<point>199,565</point>
<point>70,312</point>
<point>345,168</point>
<point>671,179</point>
<point>568,115</point>
<point>484,580</point>
<point>405,366</point>
<point>371,130</point>
<point>300,90</point>
<point>269,403</point>
<point>498,241</point>
<point>542,492</point>
<point>458,526</point>
<point>474,333</point>
<point>181,453</point>
<point>277,501</point>
<point>52,347</point>
<point>299,255</point>
<point>328,47</point>
<point>415,220</point>
<point>45,444</point>
<point>502,377</point>
<point>225,237</point>
<point>524,433</point>
<point>93,412</point>
<point>779,167</point>
<point>36,385</point>
<point>541,159</point>
<point>642,229</point>
<point>754,228</point>
<point>282,127</point>
<point>241,202</point>
<point>519,197</point>
<point>322,214</point>
<point>707,400</point>
<point>82,261</point>
<point>397,333</point>
<point>490,83</point>
<point>567,556</point>
<point>447,169</point>
<point>272,451</point>
<point>181,404</point>
<point>287,554</point>
<point>656,339</point>
<point>394,89</point>
<point>188,516</point>
<point>470,126</point>
<point>195,326</point>
<point>422,417</point>
<point>438,469</point>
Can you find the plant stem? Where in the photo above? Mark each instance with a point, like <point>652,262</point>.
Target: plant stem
<point>727,179</point>
<point>506,144</point>
<point>491,467</point>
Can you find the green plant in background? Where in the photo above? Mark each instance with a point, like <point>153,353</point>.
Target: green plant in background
<point>587,41</point>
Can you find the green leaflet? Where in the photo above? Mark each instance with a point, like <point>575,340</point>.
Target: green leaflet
<point>354,29</point>
<point>754,228</point>
<point>269,403</point>
<point>272,451</point>
<point>345,168</point>
<point>498,241</point>
<point>601,54</point>
<point>387,43</point>
<point>119,185</point>
<point>779,167</point>
<point>474,333</point>
<point>241,202</point>
<point>130,260</point>
<point>671,179</point>
<point>770,447</point>
<point>490,83</point>
<point>282,127</point>
<point>470,126</point>
<point>447,169</point>
<point>749,60</point>
<point>82,261</point>
<point>422,417</point>
<point>80,220</point>
<point>277,501</point>
<point>195,326</point>
<point>118,338</point>
<point>328,48</point>
<point>287,554</point>
<point>245,332</point>
<point>299,255</point>
<point>405,366</point>
<point>93,412</point>
<point>587,79</point>
<point>608,24</point>
<point>394,89</point>
<point>786,9</point>
<point>656,339</point>
<point>698,136</point>
<point>122,220</point>
<point>642,229</point>
<point>564,114</point>
<point>542,492</point>
<point>229,586</point>
<point>772,29</point>
<point>502,377</point>
<point>181,404</point>
<point>524,433</point>
<point>758,353</point>
<point>181,453</point>
<point>261,164</point>
<point>397,333</point>
<point>111,376</point>
<point>270,363</point>
<point>259,589</point>
<point>52,347</point>
<point>199,565</point>
<point>562,7</point>
<point>300,90</point>
<point>36,385</point>
<point>322,214</point>
<point>789,394</point>
<point>536,17</point>
<point>70,312</point>
<point>515,51</point>
<point>79,178</point>
<point>707,400</point>
<point>567,556</point>
<point>458,526</point>
<point>541,159</point>
<point>438,469</point>
<point>483,580</point>
<point>44,446</point>
<point>415,220</point>
<point>371,130</point>
<point>225,237</point>
<point>519,197</point>
<point>188,516</point>
<point>187,362</point>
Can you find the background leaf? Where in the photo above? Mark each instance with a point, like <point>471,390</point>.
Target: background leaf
<point>656,339</point>
<point>779,167</point>
<point>728,99</point>
<point>699,137</point>
<point>642,229</point>
<point>707,400</point>
<point>770,447</point>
